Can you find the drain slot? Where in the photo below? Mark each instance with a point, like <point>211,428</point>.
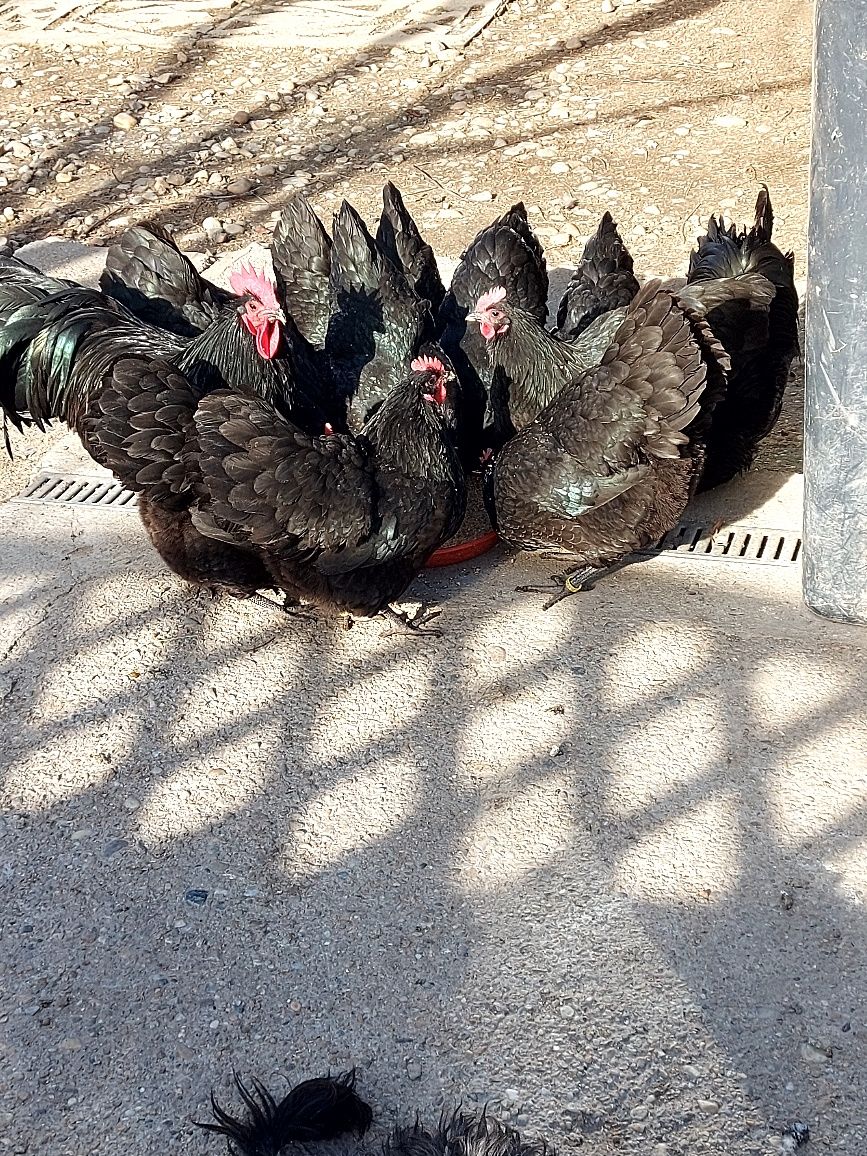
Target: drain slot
<point>756,544</point>
<point>77,490</point>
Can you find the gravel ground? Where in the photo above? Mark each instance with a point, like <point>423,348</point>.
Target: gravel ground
<point>601,867</point>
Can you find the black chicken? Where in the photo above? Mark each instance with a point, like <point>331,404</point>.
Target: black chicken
<point>505,253</point>
<point>343,522</point>
<point>604,280</point>
<point>352,318</point>
<point>242,347</point>
<point>616,452</point>
<point>148,274</point>
<point>378,322</point>
<point>314,1110</point>
<point>399,239</point>
<point>233,494</point>
<point>762,346</point>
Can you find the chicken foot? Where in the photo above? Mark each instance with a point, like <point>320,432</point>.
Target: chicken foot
<point>414,624</point>
<point>572,582</point>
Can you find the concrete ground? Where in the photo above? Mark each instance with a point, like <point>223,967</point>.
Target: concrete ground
<point>602,867</point>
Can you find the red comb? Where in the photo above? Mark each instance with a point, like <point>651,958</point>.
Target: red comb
<point>426,363</point>
<point>490,298</point>
<point>249,280</point>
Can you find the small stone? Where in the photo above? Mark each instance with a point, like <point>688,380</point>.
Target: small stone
<point>81,834</point>
<point>421,139</point>
<point>131,804</point>
<point>413,1069</point>
<point>124,121</point>
<point>639,1112</point>
<point>233,229</point>
<point>63,178</point>
<point>607,6</point>
<point>815,1054</point>
<point>70,1044</point>
<point>558,240</point>
<point>512,1095</point>
<point>114,847</point>
<point>196,897</point>
<point>449,214</point>
<point>709,1107</point>
<point>485,195</point>
<point>567,1012</point>
<point>239,186</point>
<point>241,118</point>
<point>212,225</point>
<point>496,654</point>
<point>9,82</point>
<point>729,121</point>
<point>559,167</point>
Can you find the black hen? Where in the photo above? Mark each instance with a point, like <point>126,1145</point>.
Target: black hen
<point>506,253</point>
<point>604,280</point>
<point>378,322</point>
<point>761,347</point>
<point>399,239</point>
<point>342,522</point>
<point>315,1110</point>
<point>610,462</point>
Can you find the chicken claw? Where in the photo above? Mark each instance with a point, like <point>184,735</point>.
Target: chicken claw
<point>573,582</point>
<point>415,624</point>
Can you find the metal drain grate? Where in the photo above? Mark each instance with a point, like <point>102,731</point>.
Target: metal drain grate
<point>755,544</point>
<point>689,540</point>
<point>77,490</point>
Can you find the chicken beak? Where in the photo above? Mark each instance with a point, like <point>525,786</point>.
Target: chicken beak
<point>474,317</point>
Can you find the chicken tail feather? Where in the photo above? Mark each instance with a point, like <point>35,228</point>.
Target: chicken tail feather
<point>314,1110</point>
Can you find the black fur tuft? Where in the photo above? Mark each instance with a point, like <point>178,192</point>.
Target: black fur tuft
<point>464,1135</point>
<point>314,1110</point>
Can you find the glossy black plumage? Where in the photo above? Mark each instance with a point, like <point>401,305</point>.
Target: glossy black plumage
<point>398,237</point>
<point>603,280</point>
<point>342,522</point>
<point>377,323</point>
<point>71,354</point>
<point>315,1110</point>
<point>301,256</point>
<point>505,253</point>
<point>610,462</point>
<point>761,348</point>
<point>148,274</point>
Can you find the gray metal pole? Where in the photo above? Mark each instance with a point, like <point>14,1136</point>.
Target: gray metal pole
<point>835,439</point>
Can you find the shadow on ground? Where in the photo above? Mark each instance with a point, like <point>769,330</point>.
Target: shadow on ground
<point>610,857</point>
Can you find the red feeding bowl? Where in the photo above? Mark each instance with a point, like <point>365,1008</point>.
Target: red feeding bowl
<point>463,551</point>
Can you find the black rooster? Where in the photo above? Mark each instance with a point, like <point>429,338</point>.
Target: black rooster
<point>609,463</point>
<point>354,312</point>
<point>242,347</point>
<point>761,347</point>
